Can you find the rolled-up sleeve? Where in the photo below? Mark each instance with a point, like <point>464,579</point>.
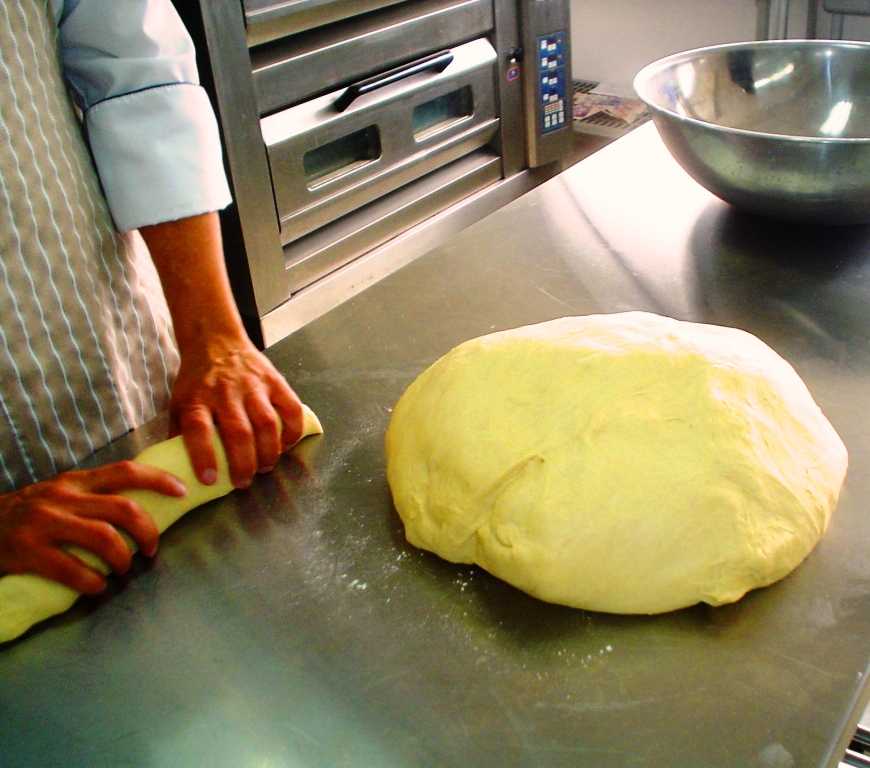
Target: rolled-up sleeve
<point>131,68</point>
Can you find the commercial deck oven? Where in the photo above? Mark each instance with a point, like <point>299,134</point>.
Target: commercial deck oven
<point>347,123</point>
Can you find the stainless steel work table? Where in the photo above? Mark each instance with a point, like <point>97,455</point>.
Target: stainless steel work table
<point>291,625</point>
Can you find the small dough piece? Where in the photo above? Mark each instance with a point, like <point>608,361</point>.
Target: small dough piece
<point>26,599</point>
<point>627,463</point>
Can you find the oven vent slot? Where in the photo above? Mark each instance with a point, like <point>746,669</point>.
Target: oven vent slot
<point>334,159</point>
<point>442,113</point>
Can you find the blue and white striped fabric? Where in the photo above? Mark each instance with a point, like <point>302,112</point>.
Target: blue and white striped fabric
<point>86,349</point>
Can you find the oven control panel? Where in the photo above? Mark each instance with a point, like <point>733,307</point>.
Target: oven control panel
<point>551,68</point>
<point>547,86</point>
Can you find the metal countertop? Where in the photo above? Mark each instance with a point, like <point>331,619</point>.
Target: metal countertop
<point>291,625</point>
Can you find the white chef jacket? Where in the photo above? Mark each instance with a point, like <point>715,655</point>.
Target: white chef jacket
<point>131,68</point>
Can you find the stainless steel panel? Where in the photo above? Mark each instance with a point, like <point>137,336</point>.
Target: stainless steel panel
<point>511,140</point>
<point>251,230</point>
<point>315,256</point>
<point>403,247</point>
<point>304,204</point>
<point>292,70</point>
<point>270,19</point>
<point>291,624</point>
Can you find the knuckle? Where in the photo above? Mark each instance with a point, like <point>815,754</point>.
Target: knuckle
<point>105,535</point>
<point>22,540</point>
<point>128,469</point>
<point>197,412</point>
<point>266,421</point>
<point>127,509</point>
<point>43,513</point>
<point>238,430</point>
<point>194,416</point>
<point>70,482</point>
<point>38,508</point>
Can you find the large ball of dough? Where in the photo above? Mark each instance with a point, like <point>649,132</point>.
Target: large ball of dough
<point>628,463</point>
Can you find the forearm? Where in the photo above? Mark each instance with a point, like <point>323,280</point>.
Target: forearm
<point>188,255</point>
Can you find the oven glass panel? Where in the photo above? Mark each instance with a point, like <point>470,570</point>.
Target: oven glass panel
<point>436,115</point>
<point>330,161</point>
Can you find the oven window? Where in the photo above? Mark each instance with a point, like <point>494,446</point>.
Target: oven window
<point>436,115</point>
<point>323,164</point>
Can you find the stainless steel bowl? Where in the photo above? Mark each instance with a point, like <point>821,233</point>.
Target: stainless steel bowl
<point>781,128</point>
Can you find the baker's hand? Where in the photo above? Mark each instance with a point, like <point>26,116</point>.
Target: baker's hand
<point>80,508</point>
<point>231,384</point>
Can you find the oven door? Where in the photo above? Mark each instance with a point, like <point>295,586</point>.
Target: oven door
<point>338,152</point>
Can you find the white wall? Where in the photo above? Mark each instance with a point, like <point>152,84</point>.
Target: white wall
<point>612,39</point>
<point>854,28</point>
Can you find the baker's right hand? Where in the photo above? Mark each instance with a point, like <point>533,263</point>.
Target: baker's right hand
<point>81,508</point>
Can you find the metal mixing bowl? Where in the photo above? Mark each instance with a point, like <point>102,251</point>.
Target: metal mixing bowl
<point>781,128</point>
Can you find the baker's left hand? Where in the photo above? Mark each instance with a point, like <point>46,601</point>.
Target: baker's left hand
<point>230,385</point>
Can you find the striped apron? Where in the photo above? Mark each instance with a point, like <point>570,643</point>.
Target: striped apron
<point>86,348</point>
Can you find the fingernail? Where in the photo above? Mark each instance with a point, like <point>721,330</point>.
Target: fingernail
<point>208,477</point>
<point>264,470</point>
<point>180,488</point>
<point>244,483</point>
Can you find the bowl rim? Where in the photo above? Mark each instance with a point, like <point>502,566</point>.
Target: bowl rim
<point>645,74</point>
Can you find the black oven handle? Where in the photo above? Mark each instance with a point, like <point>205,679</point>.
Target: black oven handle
<point>437,62</point>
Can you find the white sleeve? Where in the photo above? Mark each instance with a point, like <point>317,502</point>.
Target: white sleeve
<point>131,68</point>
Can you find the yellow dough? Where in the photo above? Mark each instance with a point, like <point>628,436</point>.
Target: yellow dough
<point>26,599</point>
<point>627,463</point>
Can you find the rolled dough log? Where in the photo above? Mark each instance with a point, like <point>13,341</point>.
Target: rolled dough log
<point>627,463</point>
<point>26,599</point>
